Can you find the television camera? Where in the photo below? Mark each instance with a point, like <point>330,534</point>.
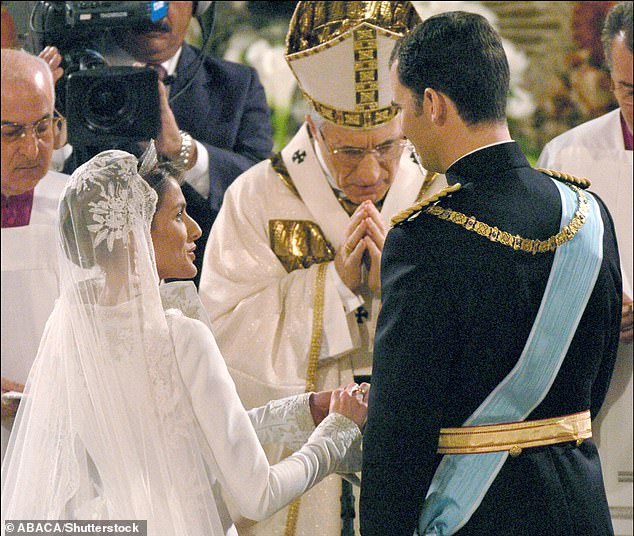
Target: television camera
<point>104,106</point>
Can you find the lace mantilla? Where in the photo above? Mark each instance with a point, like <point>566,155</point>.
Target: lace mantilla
<point>183,296</point>
<point>114,201</point>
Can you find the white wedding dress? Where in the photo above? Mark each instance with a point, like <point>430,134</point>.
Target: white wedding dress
<point>129,412</point>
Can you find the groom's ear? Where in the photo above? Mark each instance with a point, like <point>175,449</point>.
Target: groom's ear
<point>437,104</point>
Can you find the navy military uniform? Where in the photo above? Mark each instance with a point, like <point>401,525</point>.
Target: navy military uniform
<point>457,310</point>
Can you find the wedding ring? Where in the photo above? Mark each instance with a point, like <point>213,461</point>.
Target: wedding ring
<point>349,249</point>
<point>358,390</point>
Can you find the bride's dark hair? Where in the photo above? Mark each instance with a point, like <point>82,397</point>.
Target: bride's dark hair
<point>158,178</point>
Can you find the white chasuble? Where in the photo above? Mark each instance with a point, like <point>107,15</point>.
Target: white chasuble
<point>258,285</point>
<point>257,307</point>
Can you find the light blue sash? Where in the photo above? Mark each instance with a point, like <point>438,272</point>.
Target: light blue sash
<point>462,480</point>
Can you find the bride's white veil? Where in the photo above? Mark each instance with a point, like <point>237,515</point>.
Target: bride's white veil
<point>105,430</point>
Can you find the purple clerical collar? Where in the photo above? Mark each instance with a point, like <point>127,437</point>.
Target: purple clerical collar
<point>16,209</point>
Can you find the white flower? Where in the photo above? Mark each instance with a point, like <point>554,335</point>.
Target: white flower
<point>238,43</point>
<point>275,74</point>
<point>520,104</point>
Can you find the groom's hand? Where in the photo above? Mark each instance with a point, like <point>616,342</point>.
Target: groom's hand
<point>319,405</point>
<point>351,401</point>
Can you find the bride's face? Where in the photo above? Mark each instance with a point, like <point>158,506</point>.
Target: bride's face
<point>174,234</point>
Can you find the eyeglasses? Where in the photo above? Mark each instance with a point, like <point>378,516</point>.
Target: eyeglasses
<point>622,92</point>
<point>352,156</point>
<point>42,128</point>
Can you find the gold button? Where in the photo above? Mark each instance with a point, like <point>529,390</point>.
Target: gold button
<point>515,451</point>
<point>580,440</point>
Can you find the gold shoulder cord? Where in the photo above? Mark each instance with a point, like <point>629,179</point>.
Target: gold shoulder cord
<point>430,178</point>
<point>502,237</point>
<point>420,205</point>
<point>581,182</point>
<point>311,372</point>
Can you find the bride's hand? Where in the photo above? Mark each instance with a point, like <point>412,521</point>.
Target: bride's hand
<point>352,402</point>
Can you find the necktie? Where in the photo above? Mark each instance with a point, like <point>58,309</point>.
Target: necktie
<point>160,70</point>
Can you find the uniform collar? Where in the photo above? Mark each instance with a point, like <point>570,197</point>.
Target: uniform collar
<point>486,163</point>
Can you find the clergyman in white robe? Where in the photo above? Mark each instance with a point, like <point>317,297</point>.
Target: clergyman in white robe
<point>29,283</point>
<point>274,297</point>
<point>596,150</point>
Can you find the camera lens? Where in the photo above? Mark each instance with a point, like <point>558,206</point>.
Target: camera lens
<point>108,104</point>
<point>112,104</point>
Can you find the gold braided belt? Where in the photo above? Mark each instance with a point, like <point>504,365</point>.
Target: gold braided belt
<point>515,436</point>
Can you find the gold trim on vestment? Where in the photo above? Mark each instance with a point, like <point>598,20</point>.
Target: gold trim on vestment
<point>366,67</point>
<point>299,243</point>
<point>515,436</point>
<point>296,243</point>
<point>278,165</point>
<point>365,119</point>
<point>311,371</point>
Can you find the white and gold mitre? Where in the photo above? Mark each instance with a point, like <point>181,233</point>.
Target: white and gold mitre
<point>340,51</point>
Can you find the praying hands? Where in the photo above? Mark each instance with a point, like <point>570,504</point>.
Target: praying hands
<point>363,245</point>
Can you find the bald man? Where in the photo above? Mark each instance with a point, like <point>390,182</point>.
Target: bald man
<point>30,193</point>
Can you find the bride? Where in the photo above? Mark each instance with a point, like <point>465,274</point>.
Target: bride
<point>129,412</point>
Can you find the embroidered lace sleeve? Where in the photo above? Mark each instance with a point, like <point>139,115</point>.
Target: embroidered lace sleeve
<point>287,421</point>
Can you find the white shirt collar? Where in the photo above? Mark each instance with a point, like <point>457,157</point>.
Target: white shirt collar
<point>479,149</point>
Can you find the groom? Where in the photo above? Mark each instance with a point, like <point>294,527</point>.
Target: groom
<point>463,279</point>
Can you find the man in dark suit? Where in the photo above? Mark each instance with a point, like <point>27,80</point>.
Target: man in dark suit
<point>464,284</point>
<point>215,121</point>
<point>224,110</point>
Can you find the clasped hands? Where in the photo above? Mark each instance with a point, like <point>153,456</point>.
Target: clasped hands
<point>362,245</point>
<point>349,400</point>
